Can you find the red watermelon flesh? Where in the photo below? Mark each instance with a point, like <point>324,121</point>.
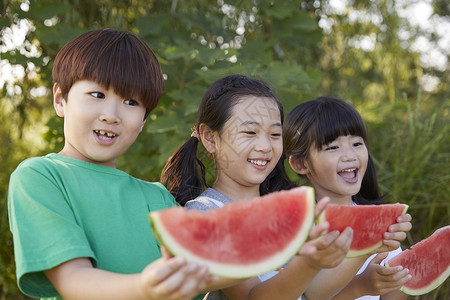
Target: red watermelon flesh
<point>241,239</point>
<point>369,223</point>
<point>428,263</point>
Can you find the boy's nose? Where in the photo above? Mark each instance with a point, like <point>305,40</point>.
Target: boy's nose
<point>110,113</point>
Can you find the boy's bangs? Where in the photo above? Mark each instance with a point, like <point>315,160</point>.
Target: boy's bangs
<point>336,122</point>
<point>126,70</point>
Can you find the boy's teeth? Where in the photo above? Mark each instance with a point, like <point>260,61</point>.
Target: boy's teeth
<point>102,132</point>
<point>258,162</point>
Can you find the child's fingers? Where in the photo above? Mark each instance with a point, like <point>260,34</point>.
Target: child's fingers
<point>175,281</point>
<point>194,283</point>
<point>344,240</point>
<point>327,239</point>
<point>318,230</point>
<point>307,250</point>
<point>395,236</point>
<point>404,218</point>
<point>379,258</point>
<point>165,254</point>
<point>396,271</point>
<point>388,245</point>
<point>161,269</point>
<point>393,280</point>
<point>400,227</point>
<point>321,205</point>
<point>402,277</point>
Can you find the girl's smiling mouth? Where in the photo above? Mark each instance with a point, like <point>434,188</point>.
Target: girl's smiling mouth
<point>349,175</point>
<point>258,162</point>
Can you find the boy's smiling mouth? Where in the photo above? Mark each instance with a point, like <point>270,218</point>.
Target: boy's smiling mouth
<point>104,135</point>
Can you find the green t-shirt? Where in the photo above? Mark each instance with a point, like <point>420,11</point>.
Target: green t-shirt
<point>62,208</point>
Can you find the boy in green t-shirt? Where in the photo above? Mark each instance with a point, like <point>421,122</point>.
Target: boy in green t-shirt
<point>79,225</point>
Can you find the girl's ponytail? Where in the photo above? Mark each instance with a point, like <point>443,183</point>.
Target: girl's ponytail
<point>184,174</point>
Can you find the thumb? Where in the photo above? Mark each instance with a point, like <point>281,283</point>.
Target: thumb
<point>379,258</point>
<point>321,206</point>
<point>165,253</point>
<point>307,250</point>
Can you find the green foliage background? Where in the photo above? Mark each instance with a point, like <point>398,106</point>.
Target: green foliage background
<point>277,41</point>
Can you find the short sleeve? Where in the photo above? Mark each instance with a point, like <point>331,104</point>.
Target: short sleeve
<point>44,228</point>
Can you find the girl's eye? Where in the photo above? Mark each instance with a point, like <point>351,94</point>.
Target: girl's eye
<point>250,132</point>
<point>331,148</point>
<point>358,144</point>
<point>277,135</point>
<point>98,95</point>
<point>131,102</point>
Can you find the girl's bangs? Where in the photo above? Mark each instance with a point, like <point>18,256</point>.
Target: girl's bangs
<point>336,122</point>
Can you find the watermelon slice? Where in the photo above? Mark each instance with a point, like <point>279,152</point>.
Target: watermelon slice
<point>242,239</point>
<point>369,223</point>
<point>428,262</point>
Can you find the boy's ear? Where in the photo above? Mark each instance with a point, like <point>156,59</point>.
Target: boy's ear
<point>299,165</point>
<point>207,137</point>
<point>142,125</point>
<point>58,100</point>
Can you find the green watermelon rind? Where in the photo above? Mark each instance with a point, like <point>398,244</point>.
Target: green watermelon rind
<point>357,253</point>
<point>240,271</point>
<point>433,285</point>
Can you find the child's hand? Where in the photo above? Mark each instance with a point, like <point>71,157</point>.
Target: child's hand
<point>331,249</point>
<point>326,250</point>
<point>396,234</point>
<point>173,278</point>
<point>379,280</point>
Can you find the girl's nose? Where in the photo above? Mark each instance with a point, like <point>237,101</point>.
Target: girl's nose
<point>263,144</point>
<point>349,155</point>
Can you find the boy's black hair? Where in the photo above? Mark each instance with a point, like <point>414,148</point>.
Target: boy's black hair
<point>112,58</point>
<point>319,122</point>
<point>184,173</point>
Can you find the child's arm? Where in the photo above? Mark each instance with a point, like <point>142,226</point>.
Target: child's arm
<point>335,279</point>
<point>376,280</point>
<point>165,278</point>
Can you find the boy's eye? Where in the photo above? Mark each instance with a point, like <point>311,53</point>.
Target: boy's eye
<point>131,102</point>
<point>250,132</point>
<point>98,95</point>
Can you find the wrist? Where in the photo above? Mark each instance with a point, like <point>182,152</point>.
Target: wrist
<point>309,264</point>
<point>141,287</point>
<point>356,287</point>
